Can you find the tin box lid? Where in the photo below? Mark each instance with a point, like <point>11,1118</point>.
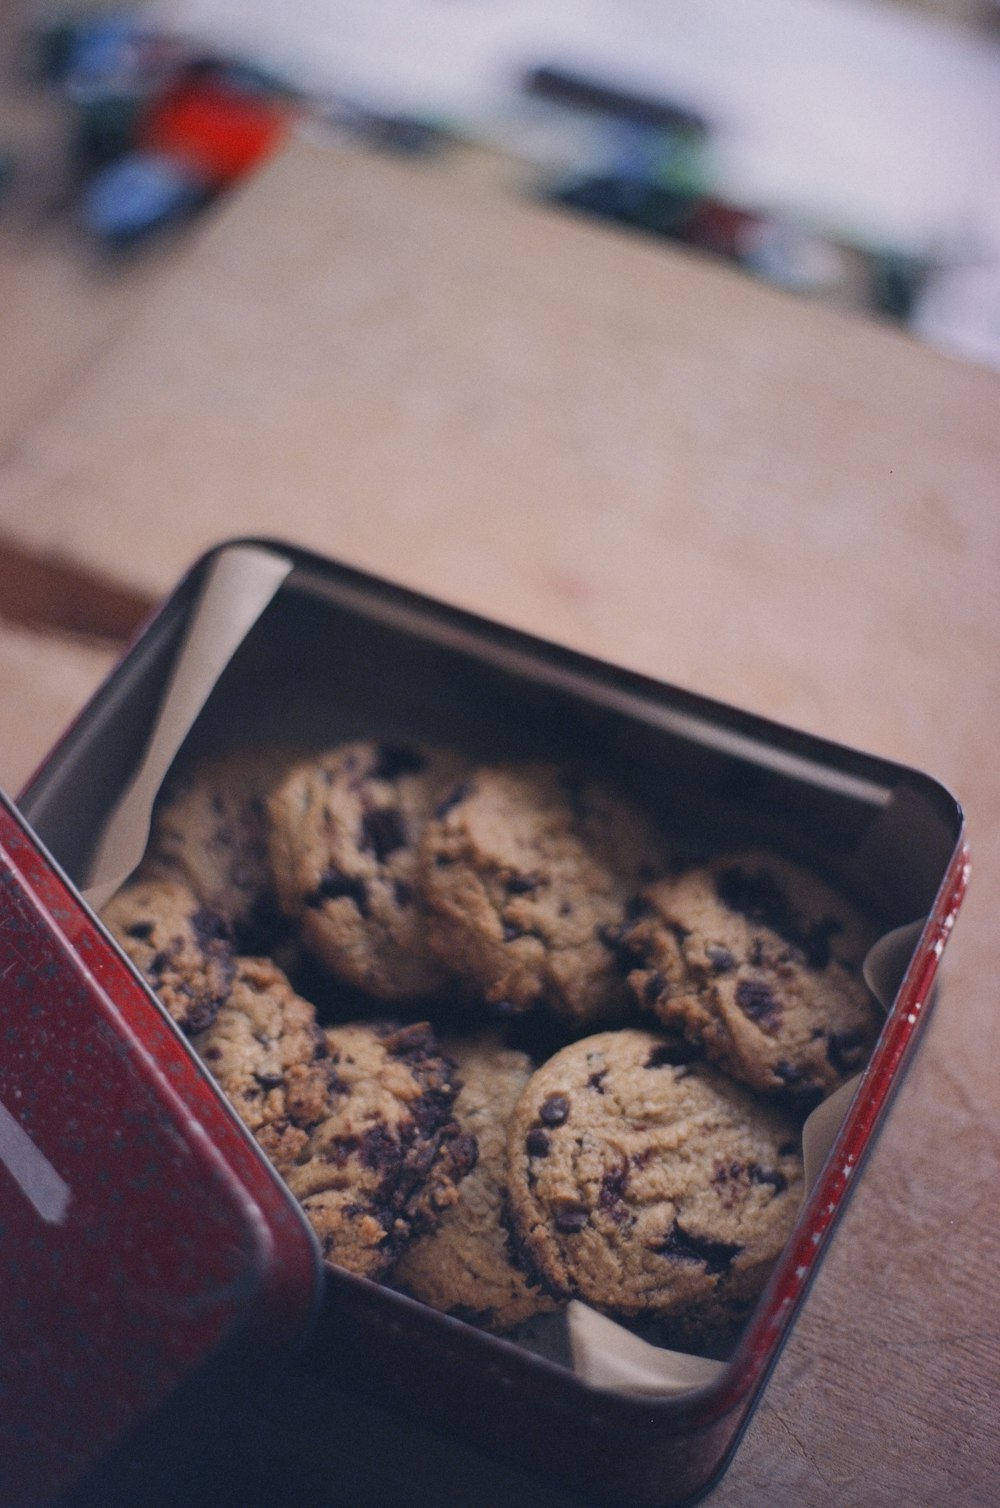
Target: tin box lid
<point>141,1231</point>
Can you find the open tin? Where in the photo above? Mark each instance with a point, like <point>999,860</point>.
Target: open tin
<point>145,1243</point>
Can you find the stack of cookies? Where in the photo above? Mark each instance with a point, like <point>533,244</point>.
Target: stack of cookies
<point>368,946</point>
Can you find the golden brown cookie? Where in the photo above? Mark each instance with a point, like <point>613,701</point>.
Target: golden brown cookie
<point>384,1163</point>
<point>344,830</point>
<point>182,948</point>
<point>527,872</point>
<point>758,962</point>
<point>210,824</point>
<point>647,1187</point>
<point>466,1267</point>
<point>268,1056</point>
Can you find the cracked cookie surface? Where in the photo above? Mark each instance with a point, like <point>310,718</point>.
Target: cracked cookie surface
<point>383,1164</point>
<point>466,1267</point>
<point>183,949</point>
<point>268,1056</point>
<point>648,1187</point>
<point>344,830</point>
<point>210,824</point>
<point>758,962</point>
<point>527,872</point>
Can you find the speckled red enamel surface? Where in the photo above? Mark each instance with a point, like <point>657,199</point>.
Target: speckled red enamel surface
<point>139,1229</point>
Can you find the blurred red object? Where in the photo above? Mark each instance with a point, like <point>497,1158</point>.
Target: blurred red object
<point>220,130</point>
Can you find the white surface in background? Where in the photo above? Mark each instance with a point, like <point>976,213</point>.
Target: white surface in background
<point>878,122</point>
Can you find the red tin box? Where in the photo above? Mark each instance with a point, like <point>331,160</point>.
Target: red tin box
<point>159,1283</point>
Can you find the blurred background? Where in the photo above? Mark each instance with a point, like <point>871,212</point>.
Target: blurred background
<point>843,149</point>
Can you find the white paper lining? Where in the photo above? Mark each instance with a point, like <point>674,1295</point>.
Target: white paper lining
<point>240,583</point>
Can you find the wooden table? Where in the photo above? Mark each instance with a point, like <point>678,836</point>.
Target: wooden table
<point>646,456</point>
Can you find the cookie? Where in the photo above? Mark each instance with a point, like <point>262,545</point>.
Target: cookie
<point>183,949</point>
<point>384,1163</point>
<point>758,962</point>
<point>344,829</point>
<point>648,1187</point>
<point>268,1056</point>
<point>466,1267</point>
<point>527,872</point>
<point>211,825</point>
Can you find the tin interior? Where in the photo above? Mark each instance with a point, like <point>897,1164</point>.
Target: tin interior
<point>336,655</point>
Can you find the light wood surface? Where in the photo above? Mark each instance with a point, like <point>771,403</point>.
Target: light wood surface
<point>45,678</point>
<point>646,456</point>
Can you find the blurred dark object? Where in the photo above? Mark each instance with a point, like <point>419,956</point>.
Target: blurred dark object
<point>157,129</point>
<point>581,92</point>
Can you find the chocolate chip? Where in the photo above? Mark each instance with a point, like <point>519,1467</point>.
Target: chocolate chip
<point>570,1222</point>
<point>536,1143</point>
<point>455,795</point>
<point>554,1110</point>
<point>772,1176</point>
<point>269,1080</point>
<point>759,897</point>
<point>612,1188</point>
<point>788,1073</point>
<point>654,986</point>
<point>615,939</point>
<point>596,1080</point>
<point>720,958</point>
<point>716,1255</point>
<point>755,895</point>
<point>393,760</point>
<point>845,1051</point>
<point>756,1001</point>
<point>201,1015</point>
<point>210,928</point>
<point>335,886</point>
<point>636,907</point>
<point>383,831</point>
<point>510,932</point>
<point>402,893</point>
<point>140,931</point>
<point>379,1150</point>
<point>521,884</point>
<point>463,1149</point>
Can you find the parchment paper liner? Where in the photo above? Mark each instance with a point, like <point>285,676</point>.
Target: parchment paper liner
<point>239,585</point>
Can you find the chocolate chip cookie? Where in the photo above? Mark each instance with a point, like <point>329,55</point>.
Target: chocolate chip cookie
<point>268,1056</point>
<point>344,831</point>
<point>758,962</point>
<point>211,826</point>
<point>649,1187</point>
<point>527,872</point>
<point>182,948</point>
<point>383,1164</point>
<point>466,1267</point>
